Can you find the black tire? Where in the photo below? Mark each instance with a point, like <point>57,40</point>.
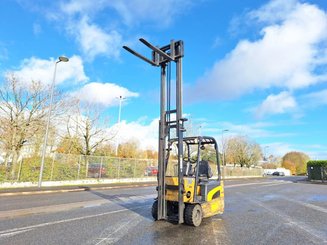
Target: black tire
<point>154,210</point>
<point>193,215</point>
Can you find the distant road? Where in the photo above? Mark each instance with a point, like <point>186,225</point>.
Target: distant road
<point>274,210</point>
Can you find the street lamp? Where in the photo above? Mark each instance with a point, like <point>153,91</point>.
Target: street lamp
<point>60,59</point>
<point>223,145</point>
<point>121,98</point>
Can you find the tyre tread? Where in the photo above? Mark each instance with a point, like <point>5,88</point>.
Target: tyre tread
<point>188,214</point>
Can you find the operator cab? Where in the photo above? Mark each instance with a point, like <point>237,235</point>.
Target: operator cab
<point>199,157</point>
<point>200,166</point>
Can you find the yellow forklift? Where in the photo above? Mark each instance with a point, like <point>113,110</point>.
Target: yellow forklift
<point>189,177</point>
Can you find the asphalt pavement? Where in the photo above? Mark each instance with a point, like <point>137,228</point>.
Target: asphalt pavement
<point>280,210</point>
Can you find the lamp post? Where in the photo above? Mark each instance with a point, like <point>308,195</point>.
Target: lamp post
<point>60,59</point>
<point>200,130</point>
<point>223,144</point>
<point>265,152</point>
<point>121,98</point>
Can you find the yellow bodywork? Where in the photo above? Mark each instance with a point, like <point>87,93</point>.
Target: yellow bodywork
<point>172,195</point>
<point>212,205</point>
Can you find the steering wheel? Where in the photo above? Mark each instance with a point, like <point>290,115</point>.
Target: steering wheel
<point>192,160</point>
<point>186,159</point>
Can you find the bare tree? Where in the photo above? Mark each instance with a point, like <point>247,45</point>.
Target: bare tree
<point>240,150</point>
<point>22,112</point>
<point>87,128</point>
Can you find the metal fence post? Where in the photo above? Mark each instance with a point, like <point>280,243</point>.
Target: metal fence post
<point>79,166</point>
<point>118,168</point>
<point>52,166</point>
<point>100,170</point>
<point>20,169</point>
<point>134,168</point>
<point>86,166</point>
<point>322,174</point>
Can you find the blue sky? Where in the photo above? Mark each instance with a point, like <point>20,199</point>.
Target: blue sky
<point>256,68</point>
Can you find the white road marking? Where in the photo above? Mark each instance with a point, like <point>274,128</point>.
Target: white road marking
<point>69,206</point>
<point>4,232</point>
<point>259,183</point>
<point>308,205</point>
<point>50,209</point>
<point>14,233</point>
<point>289,221</point>
<point>220,234</point>
<point>274,184</point>
<point>115,235</point>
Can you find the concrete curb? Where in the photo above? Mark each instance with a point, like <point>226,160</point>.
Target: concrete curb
<point>39,192</point>
<point>312,182</point>
<point>9,185</point>
<point>86,188</point>
<point>90,185</point>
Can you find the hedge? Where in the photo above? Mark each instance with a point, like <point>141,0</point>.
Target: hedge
<point>317,163</point>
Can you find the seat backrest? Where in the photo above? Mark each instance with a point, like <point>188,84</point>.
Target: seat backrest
<point>204,169</point>
<point>187,169</point>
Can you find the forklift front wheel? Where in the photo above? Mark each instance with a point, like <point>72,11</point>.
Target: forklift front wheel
<point>154,210</point>
<point>193,214</point>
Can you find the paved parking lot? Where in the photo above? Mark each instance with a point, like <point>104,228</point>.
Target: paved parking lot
<point>281,210</point>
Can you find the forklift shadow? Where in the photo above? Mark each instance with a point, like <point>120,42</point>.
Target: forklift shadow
<point>213,230</point>
<point>141,207</point>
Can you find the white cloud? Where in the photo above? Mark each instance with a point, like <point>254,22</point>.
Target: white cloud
<point>273,11</point>
<point>249,130</point>
<point>162,13</point>
<point>279,148</point>
<point>42,70</point>
<point>37,29</point>
<point>77,7</point>
<point>276,104</point>
<point>256,130</point>
<point>3,53</point>
<point>94,41</point>
<point>132,12</point>
<point>145,134</point>
<point>316,98</point>
<point>103,93</point>
<point>284,57</point>
<point>315,152</point>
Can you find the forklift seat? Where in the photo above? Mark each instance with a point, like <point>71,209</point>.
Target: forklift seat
<point>204,169</point>
<point>188,169</point>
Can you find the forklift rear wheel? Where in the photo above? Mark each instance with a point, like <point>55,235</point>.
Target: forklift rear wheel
<point>193,214</point>
<point>154,210</point>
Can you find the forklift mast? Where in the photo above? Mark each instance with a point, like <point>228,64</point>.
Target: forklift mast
<point>163,57</point>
